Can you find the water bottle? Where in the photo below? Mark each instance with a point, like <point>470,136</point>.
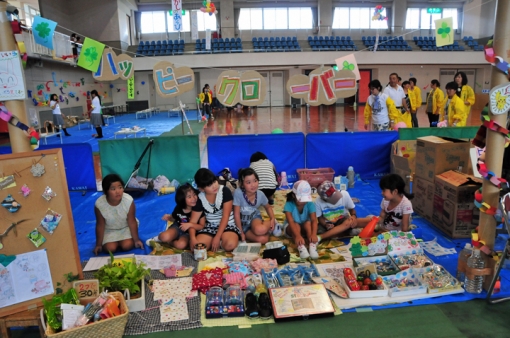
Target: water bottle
<point>350,176</point>
<point>464,254</point>
<point>475,262</point>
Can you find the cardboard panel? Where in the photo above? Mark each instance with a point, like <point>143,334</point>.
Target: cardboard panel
<point>423,201</point>
<point>247,88</point>
<point>172,81</point>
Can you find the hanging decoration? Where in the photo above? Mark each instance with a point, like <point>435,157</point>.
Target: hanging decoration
<point>172,81</point>
<point>30,132</point>
<point>131,87</point>
<point>348,63</point>
<point>177,14</point>
<point>378,10</point>
<point>208,7</point>
<point>444,32</point>
<point>113,66</point>
<point>496,61</point>
<point>43,30</point>
<point>11,74</point>
<point>248,88</point>
<point>90,55</point>
<point>323,86</point>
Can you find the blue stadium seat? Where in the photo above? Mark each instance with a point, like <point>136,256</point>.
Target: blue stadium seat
<point>253,39</point>
<point>461,48</point>
<point>238,40</point>
<point>153,43</point>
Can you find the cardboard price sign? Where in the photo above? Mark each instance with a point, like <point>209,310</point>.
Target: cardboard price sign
<point>88,288</point>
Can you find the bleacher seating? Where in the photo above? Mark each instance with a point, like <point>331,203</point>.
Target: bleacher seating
<point>276,44</point>
<point>386,43</point>
<point>160,48</point>
<point>331,43</point>
<point>428,43</point>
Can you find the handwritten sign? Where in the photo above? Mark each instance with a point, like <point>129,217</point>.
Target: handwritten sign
<point>131,87</point>
<point>87,289</point>
<point>12,83</point>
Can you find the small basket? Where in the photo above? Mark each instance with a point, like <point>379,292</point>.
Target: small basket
<point>316,176</point>
<point>111,327</point>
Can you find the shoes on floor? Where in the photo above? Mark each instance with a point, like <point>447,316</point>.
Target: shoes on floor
<point>303,252</point>
<point>250,305</point>
<point>265,309</point>
<point>312,248</point>
<point>153,239</point>
<point>277,231</point>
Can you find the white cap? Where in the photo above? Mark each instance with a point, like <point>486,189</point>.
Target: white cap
<point>467,246</point>
<point>303,191</point>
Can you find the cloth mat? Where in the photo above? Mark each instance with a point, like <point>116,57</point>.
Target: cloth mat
<point>148,321</point>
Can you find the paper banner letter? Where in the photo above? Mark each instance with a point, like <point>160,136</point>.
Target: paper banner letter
<point>90,55</point>
<point>172,81</point>
<point>113,66</point>
<point>131,87</point>
<point>444,32</point>
<point>348,63</point>
<point>248,88</point>
<point>43,30</point>
<point>177,14</point>
<point>322,86</point>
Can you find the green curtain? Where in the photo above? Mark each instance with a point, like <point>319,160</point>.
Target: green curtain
<point>176,157</point>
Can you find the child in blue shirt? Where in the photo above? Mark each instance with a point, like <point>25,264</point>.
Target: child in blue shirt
<point>301,222</point>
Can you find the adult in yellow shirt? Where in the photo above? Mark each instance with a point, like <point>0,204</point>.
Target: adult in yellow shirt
<point>454,110</point>
<point>415,92</point>
<point>380,109</point>
<point>435,101</point>
<point>464,91</point>
<point>407,104</point>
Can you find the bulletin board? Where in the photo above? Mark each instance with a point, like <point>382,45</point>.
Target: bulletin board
<point>61,246</point>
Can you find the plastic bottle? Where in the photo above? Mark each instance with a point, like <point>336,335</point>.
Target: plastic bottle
<point>464,254</point>
<point>350,176</point>
<point>475,262</point>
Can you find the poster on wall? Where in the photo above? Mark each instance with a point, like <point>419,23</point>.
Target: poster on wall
<point>172,81</point>
<point>12,83</point>
<point>25,277</point>
<point>177,14</point>
<point>194,25</point>
<point>113,66</point>
<point>131,87</point>
<point>248,88</point>
<point>323,86</point>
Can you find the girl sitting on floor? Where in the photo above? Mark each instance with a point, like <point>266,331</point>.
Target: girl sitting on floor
<point>177,234</point>
<point>301,219</point>
<point>215,201</point>
<point>116,224</point>
<point>247,200</point>
<point>396,209</point>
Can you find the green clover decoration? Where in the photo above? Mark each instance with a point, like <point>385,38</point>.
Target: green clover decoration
<point>43,30</point>
<point>347,65</point>
<point>444,30</point>
<point>91,54</point>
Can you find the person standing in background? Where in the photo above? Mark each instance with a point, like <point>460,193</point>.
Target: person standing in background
<point>95,114</point>
<point>464,91</point>
<point>434,102</point>
<point>395,91</point>
<point>58,120</point>
<point>415,92</point>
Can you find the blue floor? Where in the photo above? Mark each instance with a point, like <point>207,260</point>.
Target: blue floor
<point>155,125</point>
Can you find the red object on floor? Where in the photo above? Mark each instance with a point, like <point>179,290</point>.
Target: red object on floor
<point>368,231</point>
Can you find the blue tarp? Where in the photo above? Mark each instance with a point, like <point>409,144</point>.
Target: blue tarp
<point>367,152</point>
<point>286,151</point>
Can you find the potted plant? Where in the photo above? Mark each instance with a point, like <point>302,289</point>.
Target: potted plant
<point>125,276</point>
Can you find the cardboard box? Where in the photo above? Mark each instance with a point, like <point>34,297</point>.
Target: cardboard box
<point>454,211</point>
<point>402,161</point>
<point>423,201</point>
<point>435,155</point>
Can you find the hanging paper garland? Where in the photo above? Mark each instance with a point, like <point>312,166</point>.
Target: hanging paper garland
<point>496,61</point>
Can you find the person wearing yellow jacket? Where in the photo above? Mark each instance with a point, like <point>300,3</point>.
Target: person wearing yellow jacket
<point>464,91</point>
<point>407,104</point>
<point>205,98</point>
<point>435,100</point>
<point>415,92</point>
<point>380,109</point>
<point>454,109</point>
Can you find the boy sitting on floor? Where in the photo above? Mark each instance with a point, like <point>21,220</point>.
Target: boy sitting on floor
<point>336,214</point>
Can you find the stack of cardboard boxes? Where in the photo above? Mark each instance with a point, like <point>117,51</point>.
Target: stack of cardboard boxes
<point>443,189</point>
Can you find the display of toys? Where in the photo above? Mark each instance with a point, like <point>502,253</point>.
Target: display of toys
<point>412,261</point>
<point>384,265</point>
<point>290,275</point>
<point>224,303</point>
<point>404,283</point>
<point>438,279</point>
<point>365,284</point>
<point>350,280</point>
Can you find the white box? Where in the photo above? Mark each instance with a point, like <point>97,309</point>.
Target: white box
<point>137,304</point>
<point>406,291</point>
<point>366,293</point>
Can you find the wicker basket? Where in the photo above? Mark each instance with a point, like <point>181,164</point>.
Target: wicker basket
<point>111,327</point>
<point>316,176</point>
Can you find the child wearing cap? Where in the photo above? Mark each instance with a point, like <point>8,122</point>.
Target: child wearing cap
<point>336,214</point>
<point>301,223</point>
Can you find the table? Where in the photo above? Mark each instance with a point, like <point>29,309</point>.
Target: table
<point>80,122</point>
<point>146,112</point>
<point>26,318</point>
<point>131,132</point>
<point>107,117</point>
<point>46,135</point>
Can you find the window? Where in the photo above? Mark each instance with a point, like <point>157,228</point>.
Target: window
<point>357,18</point>
<point>275,18</point>
<point>30,13</point>
<point>186,22</point>
<point>206,21</point>
<point>153,22</point>
<point>418,18</point>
